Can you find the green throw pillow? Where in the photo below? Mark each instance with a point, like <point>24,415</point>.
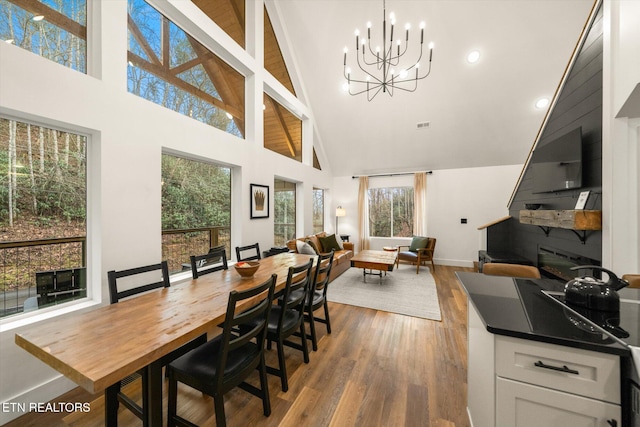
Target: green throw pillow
<point>328,243</point>
<point>418,243</point>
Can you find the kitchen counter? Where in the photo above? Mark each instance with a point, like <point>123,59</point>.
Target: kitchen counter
<point>518,308</point>
<point>524,345</point>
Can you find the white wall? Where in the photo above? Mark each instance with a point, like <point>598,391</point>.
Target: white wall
<point>478,194</point>
<point>621,138</point>
<point>127,136</point>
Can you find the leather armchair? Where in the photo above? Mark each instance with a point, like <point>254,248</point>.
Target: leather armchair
<point>419,255</point>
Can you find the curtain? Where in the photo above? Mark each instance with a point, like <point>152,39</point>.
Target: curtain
<point>420,204</point>
<point>363,213</point>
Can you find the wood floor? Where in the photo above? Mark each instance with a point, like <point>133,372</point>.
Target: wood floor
<point>375,369</point>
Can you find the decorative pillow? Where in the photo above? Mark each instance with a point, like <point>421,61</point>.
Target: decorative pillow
<point>418,243</point>
<point>329,243</point>
<point>313,245</point>
<point>316,242</point>
<point>304,248</point>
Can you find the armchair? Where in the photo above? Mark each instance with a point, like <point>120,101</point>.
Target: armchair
<point>421,250</point>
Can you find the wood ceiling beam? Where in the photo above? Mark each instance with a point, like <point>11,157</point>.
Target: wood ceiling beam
<point>213,68</point>
<point>53,16</point>
<point>283,126</point>
<point>140,38</point>
<point>159,71</point>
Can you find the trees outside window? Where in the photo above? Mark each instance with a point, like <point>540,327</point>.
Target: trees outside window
<point>318,210</point>
<point>284,212</point>
<point>43,196</point>
<point>196,209</point>
<point>169,67</point>
<point>391,212</point>
<point>56,30</point>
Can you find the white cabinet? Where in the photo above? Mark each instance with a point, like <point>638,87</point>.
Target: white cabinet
<point>523,383</point>
<point>520,404</point>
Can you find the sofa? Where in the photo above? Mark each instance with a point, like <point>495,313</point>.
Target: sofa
<point>341,258</point>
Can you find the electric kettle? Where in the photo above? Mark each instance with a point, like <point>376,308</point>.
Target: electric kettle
<point>592,293</point>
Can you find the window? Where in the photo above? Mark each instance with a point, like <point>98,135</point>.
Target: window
<point>318,210</point>
<point>172,69</point>
<point>391,212</point>
<point>285,212</point>
<point>43,195</point>
<point>56,30</point>
<point>196,209</point>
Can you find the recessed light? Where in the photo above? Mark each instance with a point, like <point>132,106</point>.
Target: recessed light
<point>38,18</point>
<point>542,103</point>
<point>473,57</point>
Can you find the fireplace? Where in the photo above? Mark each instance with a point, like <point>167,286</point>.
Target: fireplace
<point>557,263</point>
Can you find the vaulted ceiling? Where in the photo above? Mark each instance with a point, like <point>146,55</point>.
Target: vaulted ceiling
<point>479,114</point>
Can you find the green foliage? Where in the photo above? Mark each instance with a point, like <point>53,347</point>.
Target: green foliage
<point>194,194</point>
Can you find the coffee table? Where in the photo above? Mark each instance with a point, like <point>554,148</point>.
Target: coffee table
<point>374,260</point>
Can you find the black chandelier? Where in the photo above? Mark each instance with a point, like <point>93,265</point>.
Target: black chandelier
<point>383,71</point>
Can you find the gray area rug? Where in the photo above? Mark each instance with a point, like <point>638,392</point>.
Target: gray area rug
<point>401,291</point>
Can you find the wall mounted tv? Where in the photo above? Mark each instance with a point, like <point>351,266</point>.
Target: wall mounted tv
<point>557,165</point>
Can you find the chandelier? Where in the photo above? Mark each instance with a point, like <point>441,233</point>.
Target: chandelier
<point>381,67</point>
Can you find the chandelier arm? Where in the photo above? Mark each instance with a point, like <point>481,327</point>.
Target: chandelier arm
<point>366,72</point>
<point>374,95</point>
<point>369,89</point>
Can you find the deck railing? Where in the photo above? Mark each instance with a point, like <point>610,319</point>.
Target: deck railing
<point>20,261</point>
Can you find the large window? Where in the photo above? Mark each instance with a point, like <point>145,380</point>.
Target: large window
<point>285,212</point>
<point>318,210</point>
<point>196,209</point>
<point>56,30</point>
<point>172,69</point>
<point>391,212</point>
<point>43,197</point>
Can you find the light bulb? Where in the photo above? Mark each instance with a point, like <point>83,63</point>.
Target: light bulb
<point>431,45</point>
<point>473,57</point>
<point>403,73</point>
<point>407,26</point>
<point>346,49</point>
<point>422,25</point>
<point>357,32</point>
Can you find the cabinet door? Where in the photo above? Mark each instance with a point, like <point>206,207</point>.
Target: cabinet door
<point>525,405</point>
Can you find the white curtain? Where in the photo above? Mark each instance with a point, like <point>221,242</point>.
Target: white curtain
<point>363,213</point>
<point>420,204</point>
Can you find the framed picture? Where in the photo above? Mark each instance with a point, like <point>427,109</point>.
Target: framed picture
<point>259,201</point>
<point>582,200</point>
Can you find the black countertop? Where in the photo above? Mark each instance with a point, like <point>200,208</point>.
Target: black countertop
<point>518,308</point>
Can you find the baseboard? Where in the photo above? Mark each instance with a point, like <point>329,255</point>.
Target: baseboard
<point>453,262</point>
<point>44,393</point>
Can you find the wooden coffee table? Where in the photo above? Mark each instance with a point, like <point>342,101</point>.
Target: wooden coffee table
<point>382,261</point>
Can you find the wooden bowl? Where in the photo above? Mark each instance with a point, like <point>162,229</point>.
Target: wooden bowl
<point>247,269</point>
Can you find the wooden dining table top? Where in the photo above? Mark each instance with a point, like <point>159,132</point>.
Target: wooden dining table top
<point>95,349</point>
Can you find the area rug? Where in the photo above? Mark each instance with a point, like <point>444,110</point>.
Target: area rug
<point>401,291</point>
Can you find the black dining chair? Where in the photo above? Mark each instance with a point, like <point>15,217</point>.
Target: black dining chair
<point>287,318</point>
<point>317,296</point>
<point>214,260</point>
<point>227,361</point>
<point>148,276</point>
<point>248,253</point>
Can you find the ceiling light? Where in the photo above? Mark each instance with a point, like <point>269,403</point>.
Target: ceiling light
<point>38,18</point>
<point>473,57</point>
<point>542,103</point>
<point>377,65</point>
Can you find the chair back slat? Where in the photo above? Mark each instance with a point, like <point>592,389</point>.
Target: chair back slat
<point>113,277</point>
<point>214,260</point>
<point>321,276</point>
<point>253,252</point>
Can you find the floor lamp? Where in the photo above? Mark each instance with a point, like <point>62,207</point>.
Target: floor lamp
<point>340,211</point>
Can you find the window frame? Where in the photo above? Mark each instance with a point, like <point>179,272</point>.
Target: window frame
<point>392,221</point>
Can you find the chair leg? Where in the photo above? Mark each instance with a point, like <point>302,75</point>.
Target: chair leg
<point>282,366</point>
<point>418,265</point>
<point>218,403</point>
<point>326,316</point>
<point>264,385</point>
<point>172,404</point>
<point>312,329</point>
<point>305,349</point>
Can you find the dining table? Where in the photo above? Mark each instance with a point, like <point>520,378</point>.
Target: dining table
<point>98,348</point>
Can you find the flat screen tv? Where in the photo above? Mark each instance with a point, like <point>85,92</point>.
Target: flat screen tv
<point>557,165</point>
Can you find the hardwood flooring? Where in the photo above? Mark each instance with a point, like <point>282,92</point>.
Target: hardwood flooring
<point>375,369</point>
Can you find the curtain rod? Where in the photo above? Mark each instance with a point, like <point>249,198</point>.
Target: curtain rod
<point>391,174</point>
